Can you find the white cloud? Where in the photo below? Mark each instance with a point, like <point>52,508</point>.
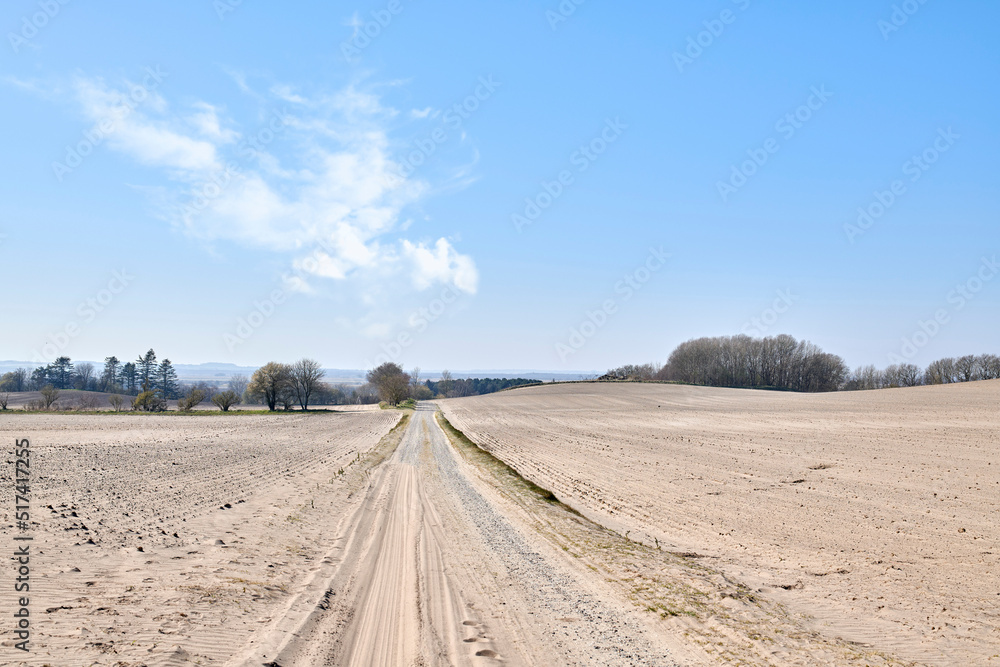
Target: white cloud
<point>206,121</point>
<point>441,264</point>
<point>151,142</point>
<point>319,188</point>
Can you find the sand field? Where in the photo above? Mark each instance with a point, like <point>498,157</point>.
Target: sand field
<point>873,513</point>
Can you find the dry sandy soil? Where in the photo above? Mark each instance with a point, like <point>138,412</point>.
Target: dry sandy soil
<point>871,518</point>
<point>167,539</point>
<point>85,401</point>
<point>724,527</point>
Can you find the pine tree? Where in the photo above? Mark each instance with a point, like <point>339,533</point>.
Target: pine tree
<point>62,373</point>
<point>129,378</point>
<point>166,380</point>
<point>109,377</point>
<point>146,368</point>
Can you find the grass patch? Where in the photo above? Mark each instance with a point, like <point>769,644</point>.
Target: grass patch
<point>476,454</point>
<point>408,404</point>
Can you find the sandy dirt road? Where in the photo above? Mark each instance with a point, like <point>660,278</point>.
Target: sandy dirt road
<point>432,572</point>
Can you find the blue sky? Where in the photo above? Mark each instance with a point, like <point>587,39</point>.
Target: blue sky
<point>297,180</point>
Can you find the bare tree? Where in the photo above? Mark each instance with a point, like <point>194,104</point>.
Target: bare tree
<point>116,401</point>
<point>84,376</point>
<point>966,368</point>
<point>191,401</point>
<point>445,384</point>
<point>226,399</point>
<point>268,383</point>
<point>989,365</point>
<point>306,377</point>
<point>49,396</point>
<point>941,371</point>
<point>778,362</point>
<point>4,399</point>
<point>238,384</point>
<point>89,402</point>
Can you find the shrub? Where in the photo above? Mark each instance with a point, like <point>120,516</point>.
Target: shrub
<point>149,401</point>
<point>226,399</point>
<point>116,401</point>
<point>191,401</point>
<point>88,402</point>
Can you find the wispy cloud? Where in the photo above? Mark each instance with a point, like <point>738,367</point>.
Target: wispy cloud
<point>314,183</point>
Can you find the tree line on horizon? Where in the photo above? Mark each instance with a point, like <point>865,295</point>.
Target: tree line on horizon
<point>396,386</point>
<point>782,362</point>
<point>150,384</point>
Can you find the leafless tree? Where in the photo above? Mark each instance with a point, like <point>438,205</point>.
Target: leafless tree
<point>238,384</point>
<point>49,396</point>
<point>306,376</point>
<point>89,402</point>
<point>989,367</point>
<point>445,384</point>
<point>4,399</point>
<point>226,399</point>
<point>116,401</point>
<point>778,362</point>
<point>966,368</point>
<point>84,376</point>
<point>191,401</point>
<point>941,371</point>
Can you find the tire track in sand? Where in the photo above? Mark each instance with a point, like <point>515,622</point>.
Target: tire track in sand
<point>433,573</point>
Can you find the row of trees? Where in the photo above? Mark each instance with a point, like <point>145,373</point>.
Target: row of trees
<point>778,362</point>
<point>473,386</point>
<point>286,384</point>
<point>781,362</point>
<point>395,386</point>
<point>949,370</point>
<point>132,378</point>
